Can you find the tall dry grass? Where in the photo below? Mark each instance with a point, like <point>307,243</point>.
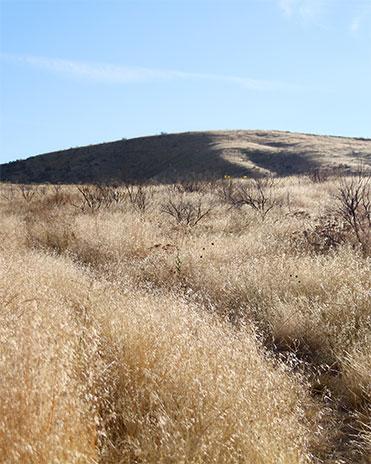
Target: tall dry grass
<point>130,336</point>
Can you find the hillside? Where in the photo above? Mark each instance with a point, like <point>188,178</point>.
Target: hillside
<point>205,154</point>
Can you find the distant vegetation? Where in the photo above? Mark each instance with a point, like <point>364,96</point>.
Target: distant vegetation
<point>202,321</point>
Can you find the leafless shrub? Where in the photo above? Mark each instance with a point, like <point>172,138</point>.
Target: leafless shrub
<point>186,212</point>
<point>99,196</point>
<point>42,190</point>
<point>326,235</point>
<point>28,192</point>
<point>113,194</point>
<point>58,197</point>
<point>226,191</point>
<point>91,198</point>
<point>138,197</point>
<point>8,192</point>
<point>255,193</point>
<point>354,207</point>
<point>349,221</point>
<point>190,185</point>
<point>319,175</point>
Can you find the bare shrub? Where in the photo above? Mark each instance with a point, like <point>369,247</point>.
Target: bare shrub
<point>138,197</point>
<point>258,194</point>
<point>226,191</point>
<point>28,192</point>
<point>354,207</point>
<point>58,198</point>
<point>326,235</point>
<point>190,185</point>
<point>92,199</point>
<point>319,175</point>
<point>99,196</point>
<point>8,192</point>
<point>42,190</point>
<point>186,212</point>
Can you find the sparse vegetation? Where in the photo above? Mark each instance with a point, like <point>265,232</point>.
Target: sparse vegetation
<point>354,207</point>
<point>318,175</point>
<point>99,196</point>
<point>28,192</point>
<point>138,197</point>
<point>128,339</point>
<point>257,194</point>
<point>185,211</point>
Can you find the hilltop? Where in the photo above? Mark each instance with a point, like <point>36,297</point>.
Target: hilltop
<point>168,157</point>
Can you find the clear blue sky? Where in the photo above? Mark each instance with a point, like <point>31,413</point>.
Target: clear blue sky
<point>87,71</point>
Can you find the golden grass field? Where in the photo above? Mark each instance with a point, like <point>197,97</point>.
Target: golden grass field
<point>136,329</point>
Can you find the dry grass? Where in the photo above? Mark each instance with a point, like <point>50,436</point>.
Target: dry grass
<point>128,337</point>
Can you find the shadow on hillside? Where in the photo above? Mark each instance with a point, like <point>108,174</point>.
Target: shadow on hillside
<point>282,163</point>
<point>162,158</point>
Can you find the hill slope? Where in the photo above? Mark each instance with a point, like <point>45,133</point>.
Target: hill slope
<point>205,154</point>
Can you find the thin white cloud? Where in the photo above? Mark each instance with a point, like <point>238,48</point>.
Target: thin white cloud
<point>107,73</point>
<point>303,9</point>
<point>286,7</point>
<point>361,18</point>
<point>355,25</point>
<point>319,12</point>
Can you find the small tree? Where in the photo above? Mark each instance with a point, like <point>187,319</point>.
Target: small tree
<point>185,211</point>
<point>8,192</point>
<point>190,184</point>
<point>28,192</point>
<point>99,196</point>
<point>258,194</point>
<point>354,207</point>
<point>138,197</point>
<point>318,175</point>
<point>227,191</point>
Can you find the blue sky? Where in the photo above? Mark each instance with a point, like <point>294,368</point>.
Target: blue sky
<point>88,71</point>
